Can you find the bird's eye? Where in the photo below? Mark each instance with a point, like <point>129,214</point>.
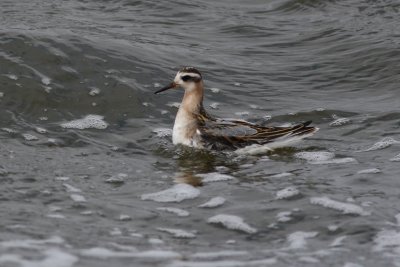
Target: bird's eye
<point>186,78</point>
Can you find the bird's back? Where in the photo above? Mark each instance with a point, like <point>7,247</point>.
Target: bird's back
<point>240,133</point>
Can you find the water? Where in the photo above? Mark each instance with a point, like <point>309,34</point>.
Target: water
<point>84,142</point>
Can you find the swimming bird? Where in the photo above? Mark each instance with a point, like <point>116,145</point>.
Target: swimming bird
<point>195,127</point>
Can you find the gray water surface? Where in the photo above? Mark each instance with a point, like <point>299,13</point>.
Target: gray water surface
<point>80,197</point>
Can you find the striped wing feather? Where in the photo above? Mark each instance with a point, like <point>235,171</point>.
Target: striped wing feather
<point>240,133</point>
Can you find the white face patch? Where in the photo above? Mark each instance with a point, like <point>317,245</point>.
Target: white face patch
<point>182,76</point>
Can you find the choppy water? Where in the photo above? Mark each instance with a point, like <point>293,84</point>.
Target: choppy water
<point>101,196</point>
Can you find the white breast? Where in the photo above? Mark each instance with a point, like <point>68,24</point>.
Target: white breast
<point>182,127</point>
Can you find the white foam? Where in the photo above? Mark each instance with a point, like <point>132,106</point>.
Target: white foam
<point>155,241</point>
<point>218,254</point>
<point>177,193</point>
<point>87,212</point>
<point>47,89</point>
<point>246,166</point>
<point>242,113</point>
<point>78,198</point>
<point>333,227</point>
<point>315,156</point>
<point>338,241</point>
<point>94,91</point>
<point>179,212</point>
<point>284,216</point>
<point>340,122</point>
<point>215,177</point>
<point>54,208</point>
<point>11,76</point>
<point>174,104</point>
<point>345,208</point>
<point>29,243</point>
<point>214,105</point>
<point>323,157</point>
<point>387,240</point>
<point>162,132</point>
<point>281,175</point>
<point>62,178</point>
<point>90,121</point>
<point>384,143</point>
<point>115,232</point>
<point>215,90</point>
<point>224,263</point>
<point>213,202</point>
<point>117,179</point>
<point>52,257</point>
<point>104,253</point>
<point>70,188</point>
<point>30,137</point>
<point>395,158</point>
<point>178,233</point>
<point>40,130</point>
<point>124,217</point>
<point>232,222</point>
<point>352,264</point>
<point>298,240</point>
<point>367,171</point>
<point>287,192</point>
<point>335,161</point>
<point>46,80</point>
<point>8,130</point>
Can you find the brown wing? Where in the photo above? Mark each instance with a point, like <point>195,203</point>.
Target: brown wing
<point>239,133</point>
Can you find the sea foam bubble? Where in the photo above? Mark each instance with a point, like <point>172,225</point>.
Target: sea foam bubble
<point>287,192</point>
<point>90,121</point>
<point>178,233</point>
<point>345,208</point>
<point>215,177</point>
<point>177,193</point>
<point>232,222</point>
<point>213,202</point>
<point>384,143</point>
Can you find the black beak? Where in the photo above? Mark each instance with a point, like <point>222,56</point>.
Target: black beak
<point>171,85</point>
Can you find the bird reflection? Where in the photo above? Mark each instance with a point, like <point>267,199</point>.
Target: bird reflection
<point>191,162</point>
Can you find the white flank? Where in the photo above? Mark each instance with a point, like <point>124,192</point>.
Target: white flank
<point>278,143</point>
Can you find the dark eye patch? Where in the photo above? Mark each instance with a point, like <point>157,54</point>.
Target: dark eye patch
<point>186,78</point>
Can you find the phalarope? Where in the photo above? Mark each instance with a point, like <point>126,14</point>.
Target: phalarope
<point>196,128</point>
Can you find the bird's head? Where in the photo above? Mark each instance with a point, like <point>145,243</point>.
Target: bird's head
<point>187,78</point>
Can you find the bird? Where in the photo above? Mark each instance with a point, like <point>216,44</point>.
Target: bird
<point>195,127</point>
